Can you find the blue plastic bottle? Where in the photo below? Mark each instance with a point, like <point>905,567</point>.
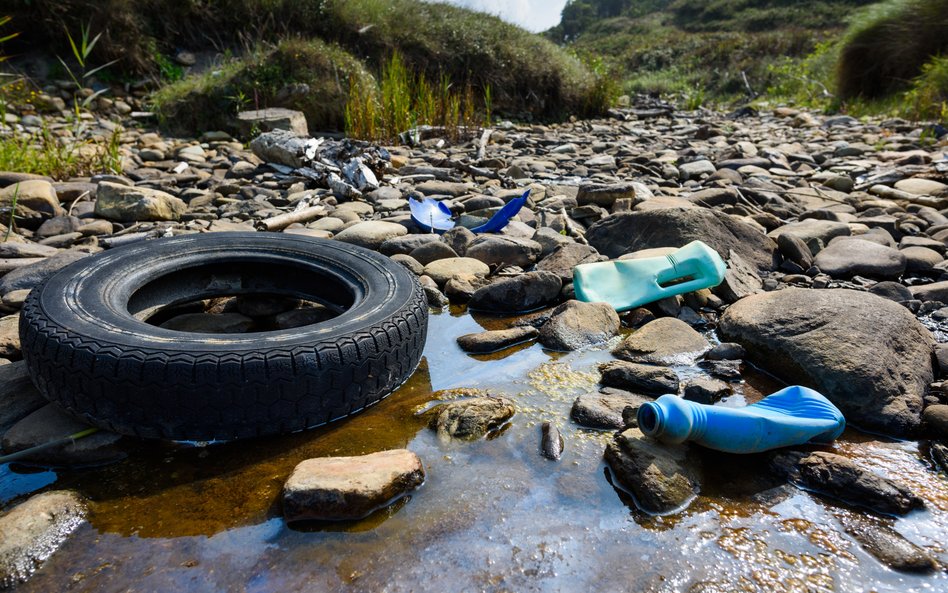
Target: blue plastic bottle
<point>792,416</point>
<point>626,284</point>
<point>432,216</point>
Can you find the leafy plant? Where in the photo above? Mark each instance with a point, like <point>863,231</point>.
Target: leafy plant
<point>4,20</point>
<point>81,52</point>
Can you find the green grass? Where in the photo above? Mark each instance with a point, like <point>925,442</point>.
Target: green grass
<point>528,75</point>
<point>885,49</point>
<point>44,153</point>
<point>210,101</point>
<point>404,99</point>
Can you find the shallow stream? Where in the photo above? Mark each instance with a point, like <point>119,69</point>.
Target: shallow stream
<point>493,515</point>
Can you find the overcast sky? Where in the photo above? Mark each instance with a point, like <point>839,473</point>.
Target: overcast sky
<point>533,15</point>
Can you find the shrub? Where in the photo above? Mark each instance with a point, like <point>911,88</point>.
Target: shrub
<point>886,48</point>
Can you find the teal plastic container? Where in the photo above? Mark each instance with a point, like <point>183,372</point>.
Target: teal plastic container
<point>626,284</point>
<point>792,416</point>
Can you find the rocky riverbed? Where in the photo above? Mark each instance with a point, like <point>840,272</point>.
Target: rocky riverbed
<point>835,235</point>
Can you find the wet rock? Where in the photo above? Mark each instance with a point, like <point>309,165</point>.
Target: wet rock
<point>726,351</point>
<point>522,293</point>
<point>574,325</point>
<point>51,423</point>
<point>442,270</point>
<point>206,323</point>
<point>886,544</point>
<point>658,476</point>
<point>349,488</point>
<point>509,251</point>
<point>492,341</point>
<point>551,442</point>
<point>838,477</point>
<point>936,421</point>
<point>675,227</point>
<point>850,257</point>
<point>640,378</point>
<point>705,390</point>
<point>664,341</point>
<point>728,370</point>
<point>435,297</point>
<point>471,419</point>
<point>34,530</point>
<point>134,204</point>
<point>740,280</point>
<point>36,194</point>
<point>564,258</point>
<point>868,355</point>
<point>940,455</point>
<point>29,276</point>
<point>370,234</point>
<point>18,397</point>
<point>604,409</point>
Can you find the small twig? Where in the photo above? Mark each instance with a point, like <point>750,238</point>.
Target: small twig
<point>73,205</point>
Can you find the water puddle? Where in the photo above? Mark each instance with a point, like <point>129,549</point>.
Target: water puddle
<point>493,515</point>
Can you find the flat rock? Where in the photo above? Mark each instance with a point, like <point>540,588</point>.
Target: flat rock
<point>471,419</point>
<point>50,423</point>
<point>405,243</point>
<point>509,251</point>
<point>274,118</point>
<point>442,270</point>
<point>603,410</point>
<point>936,291</point>
<point>29,276</point>
<point>849,257</point>
<point>639,378</point>
<point>921,259</point>
<point>706,390</point>
<point>18,397</point>
<point>10,337</point>
<point>34,530</point>
<point>575,324</point>
<point>517,294</point>
<point>666,340</point>
<point>35,194</point>
<point>838,477</point>
<point>371,233</point>
<point>432,251</point>
<point>675,227</point>
<point>123,203</point>
<point>887,545</point>
<point>867,354</point>
<point>349,488</point>
<point>922,187</point>
<point>492,341</point>
<point>604,195</point>
<point>658,476</point>
<point>280,146</point>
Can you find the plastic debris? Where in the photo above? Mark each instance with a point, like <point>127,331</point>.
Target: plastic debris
<point>626,284</point>
<point>432,216</point>
<point>793,416</point>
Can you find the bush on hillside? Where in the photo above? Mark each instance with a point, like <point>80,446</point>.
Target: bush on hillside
<point>762,15</point>
<point>886,49</point>
<point>527,74</point>
<point>266,78</point>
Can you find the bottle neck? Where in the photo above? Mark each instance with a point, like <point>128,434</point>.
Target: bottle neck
<point>673,419</point>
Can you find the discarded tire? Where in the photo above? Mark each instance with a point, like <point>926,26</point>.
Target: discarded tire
<point>88,348</point>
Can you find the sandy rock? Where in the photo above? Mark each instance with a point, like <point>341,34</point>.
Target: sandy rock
<point>349,488</point>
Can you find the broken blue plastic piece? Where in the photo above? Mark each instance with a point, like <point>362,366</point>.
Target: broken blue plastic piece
<point>793,416</point>
<point>433,216</point>
<point>629,283</point>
